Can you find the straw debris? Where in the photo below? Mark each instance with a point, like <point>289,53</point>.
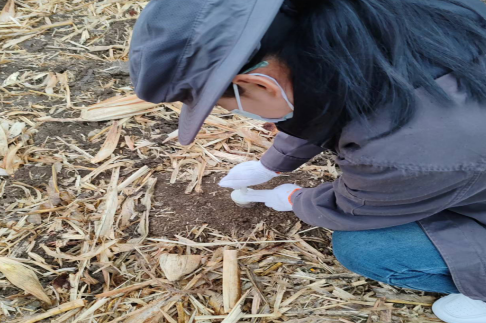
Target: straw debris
<point>86,169</point>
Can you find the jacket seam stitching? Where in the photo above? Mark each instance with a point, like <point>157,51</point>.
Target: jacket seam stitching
<point>415,167</point>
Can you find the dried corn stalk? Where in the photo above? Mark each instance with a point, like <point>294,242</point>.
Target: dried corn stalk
<point>57,310</point>
<point>231,280</point>
<point>146,313</point>
<point>236,313</point>
<point>23,277</point>
<point>254,138</point>
<point>3,142</point>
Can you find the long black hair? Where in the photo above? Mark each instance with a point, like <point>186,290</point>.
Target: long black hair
<point>349,58</point>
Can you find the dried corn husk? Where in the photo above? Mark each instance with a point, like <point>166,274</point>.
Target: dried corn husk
<point>11,161</point>
<point>23,277</point>
<point>105,229</point>
<point>177,266</point>
<point>51,82</point>
<point>16,129</point>
<point>116,108</point>
<point>143,228</point>
<point>64,81</point>
<point>216,302</point>
<point>109,145</point>
<point>8,11</point>
<point>11,79</point>
<point>112,109</point>
<point>127,211</point>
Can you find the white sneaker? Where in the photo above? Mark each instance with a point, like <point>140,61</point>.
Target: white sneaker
<point>457,308</point>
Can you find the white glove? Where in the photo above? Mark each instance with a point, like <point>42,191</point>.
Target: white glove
<point>247,174</point>
<point>277,199</point>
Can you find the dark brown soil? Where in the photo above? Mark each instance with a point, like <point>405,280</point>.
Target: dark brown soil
<point>176,212</point>
<point>46,136</point>
<point>87,77</point>
<point>164,127</point>
<point>36,176</point>
<point>33,175</point>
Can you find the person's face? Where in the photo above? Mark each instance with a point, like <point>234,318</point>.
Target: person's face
<point>260,95</point>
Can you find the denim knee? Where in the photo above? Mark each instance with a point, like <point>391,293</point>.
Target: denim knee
<point>384,252</point>
<point>354,253</point>
<point>402,256</point>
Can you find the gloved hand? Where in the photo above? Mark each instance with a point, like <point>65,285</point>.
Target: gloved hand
<point>277,199</point>
<point>247,174</point>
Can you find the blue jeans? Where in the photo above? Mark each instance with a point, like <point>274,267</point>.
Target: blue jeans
<point>401,256</point>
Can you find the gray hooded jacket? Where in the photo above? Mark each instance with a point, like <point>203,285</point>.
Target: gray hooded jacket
<point>432,171</point>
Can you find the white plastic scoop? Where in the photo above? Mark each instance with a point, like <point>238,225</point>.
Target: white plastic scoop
<point>238,196</point>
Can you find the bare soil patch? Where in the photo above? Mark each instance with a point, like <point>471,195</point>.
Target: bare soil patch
<point>176,212</point>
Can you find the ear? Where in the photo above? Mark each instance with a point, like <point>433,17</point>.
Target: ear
<point>255,83</point>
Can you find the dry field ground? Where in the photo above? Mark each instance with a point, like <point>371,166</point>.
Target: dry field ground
<point>106,218</point>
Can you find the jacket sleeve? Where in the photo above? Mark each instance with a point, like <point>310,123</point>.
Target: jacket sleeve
<point>369,197</point>
<point>289,153</point>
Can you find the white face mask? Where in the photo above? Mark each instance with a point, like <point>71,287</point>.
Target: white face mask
<point>244,113</point>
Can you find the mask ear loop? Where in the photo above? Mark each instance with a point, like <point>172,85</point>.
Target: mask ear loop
<point>237,96</point>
